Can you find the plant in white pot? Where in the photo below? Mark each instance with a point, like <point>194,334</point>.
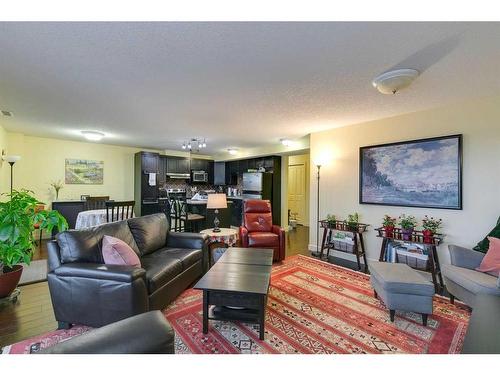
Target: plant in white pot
<point>18,217</point>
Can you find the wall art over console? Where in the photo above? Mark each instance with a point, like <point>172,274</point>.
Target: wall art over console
<point>418,173</point>
<point>84,172</point>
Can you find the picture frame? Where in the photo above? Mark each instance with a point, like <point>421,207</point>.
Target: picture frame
<point>423,173</point>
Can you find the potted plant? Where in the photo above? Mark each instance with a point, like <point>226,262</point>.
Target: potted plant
<point>331,220</point>
<point>57,185</point>
<point>430,226</point>
<point>352,221</point>
<point>407,225</point>
<point>18,217</point>
<point>388,224</point>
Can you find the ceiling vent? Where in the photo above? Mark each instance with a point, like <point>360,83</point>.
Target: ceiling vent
<point>7,113</point>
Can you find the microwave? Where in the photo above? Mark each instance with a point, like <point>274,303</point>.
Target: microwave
<point>199,176</point>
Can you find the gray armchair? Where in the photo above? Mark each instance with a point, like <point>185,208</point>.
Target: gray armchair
<point>463,281</point>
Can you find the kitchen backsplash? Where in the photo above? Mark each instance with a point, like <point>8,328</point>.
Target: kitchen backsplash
<point>191,189</point>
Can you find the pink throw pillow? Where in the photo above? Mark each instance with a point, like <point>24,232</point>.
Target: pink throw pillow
<point>491,261</point>
<point>115,251</point>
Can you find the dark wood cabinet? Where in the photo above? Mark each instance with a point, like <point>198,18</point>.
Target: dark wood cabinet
<point>232,172</point>
<point>219,173</point>
<point>145,195</point>
<point>176,164</point>
<point>162,170</point>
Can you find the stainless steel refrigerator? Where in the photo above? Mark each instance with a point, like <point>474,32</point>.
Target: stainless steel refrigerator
<point>258,185</point>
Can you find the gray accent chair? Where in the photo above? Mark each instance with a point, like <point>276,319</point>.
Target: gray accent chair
<point>463,281</point>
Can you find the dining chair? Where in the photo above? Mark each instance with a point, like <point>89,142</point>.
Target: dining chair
<point>172,214</point>
<point>96,203</point>
<point>187,220</point>
<point>116,210</point>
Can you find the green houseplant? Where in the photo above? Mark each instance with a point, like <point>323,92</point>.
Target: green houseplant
<point>352,221</point>
<point>407,223</point>
<point>18,217</point>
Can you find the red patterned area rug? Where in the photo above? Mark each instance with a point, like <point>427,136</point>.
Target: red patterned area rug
<point>317,307</point>
<point>313,307</point>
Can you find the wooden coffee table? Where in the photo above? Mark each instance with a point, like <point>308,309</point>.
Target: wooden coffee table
<point>240,279</point>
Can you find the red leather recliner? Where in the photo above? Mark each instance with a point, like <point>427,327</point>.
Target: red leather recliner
<point>258,229</point>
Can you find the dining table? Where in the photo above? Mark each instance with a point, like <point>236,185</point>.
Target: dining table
<point>92,218</point>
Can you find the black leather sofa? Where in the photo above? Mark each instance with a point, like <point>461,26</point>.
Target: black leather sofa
<point>86,291</point>
<point>147,333</point>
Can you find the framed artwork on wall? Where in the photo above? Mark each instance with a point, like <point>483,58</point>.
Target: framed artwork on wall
<point>83,172</point>
<point>419,173</point>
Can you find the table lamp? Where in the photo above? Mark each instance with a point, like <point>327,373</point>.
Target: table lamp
<point>216,201</point>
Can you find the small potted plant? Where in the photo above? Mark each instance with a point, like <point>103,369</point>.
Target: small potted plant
<point>388,224</point>
<point>408,224</point>
<point>431,227</point>
<point>18,217</point>
<point>57,185</point>
<point>352,221</point>
<point>331,220</point>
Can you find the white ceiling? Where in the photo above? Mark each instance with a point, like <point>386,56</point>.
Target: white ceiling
<point>237,84</point>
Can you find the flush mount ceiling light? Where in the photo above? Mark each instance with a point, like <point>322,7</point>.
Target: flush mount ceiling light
<point>6,113</point>
<point>395,80</point>
<point>232,151</point>
<point>286,142</point>
<point>194,144</point>
<point>92,135</point>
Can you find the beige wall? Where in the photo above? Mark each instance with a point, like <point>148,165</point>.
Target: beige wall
<point>42,161</point>
<point>4,167</point>
<point>478,121</point>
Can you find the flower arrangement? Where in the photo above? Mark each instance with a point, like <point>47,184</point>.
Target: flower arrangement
<point>389,223</point>
<point>431,224</point>
<point>57,185</point>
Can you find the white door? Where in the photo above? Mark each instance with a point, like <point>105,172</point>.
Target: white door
<point>297,191</point>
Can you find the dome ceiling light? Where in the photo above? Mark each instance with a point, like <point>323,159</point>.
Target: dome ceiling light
<point>395,80</point>
<point>92,135</point>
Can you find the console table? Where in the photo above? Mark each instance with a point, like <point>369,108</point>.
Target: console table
<point>417,237</point>
<point>358,247</point>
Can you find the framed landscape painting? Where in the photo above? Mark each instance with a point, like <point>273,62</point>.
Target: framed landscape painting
<point>84,172</point>
<point>419,173</point>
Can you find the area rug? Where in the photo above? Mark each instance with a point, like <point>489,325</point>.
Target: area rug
<point>313,307</point>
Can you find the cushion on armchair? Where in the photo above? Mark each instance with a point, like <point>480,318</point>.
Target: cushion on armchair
<point>484,244</point>
<point>491,261</point>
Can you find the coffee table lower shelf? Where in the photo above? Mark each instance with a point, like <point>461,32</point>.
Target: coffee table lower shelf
<point>254,315</point>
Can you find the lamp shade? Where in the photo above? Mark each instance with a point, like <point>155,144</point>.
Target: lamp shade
<point>216,201</point>
<point>11,158</point>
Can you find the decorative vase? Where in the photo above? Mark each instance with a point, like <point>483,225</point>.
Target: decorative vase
<point>389,231</point>
<point>428,236</point>
<point>407,232</point>
<point>9,280</point>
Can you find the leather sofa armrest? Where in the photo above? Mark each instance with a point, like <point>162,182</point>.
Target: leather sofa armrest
<point>186,240</point>
<point>465,258</point>
<point>147,333</point>
<point>110,272</point>
<point>276,229</point>
<point>244,236</point>
<point>54,255</point>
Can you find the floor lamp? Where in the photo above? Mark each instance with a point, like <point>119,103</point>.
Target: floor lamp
<point>318,250</point>
<point>11,159</point>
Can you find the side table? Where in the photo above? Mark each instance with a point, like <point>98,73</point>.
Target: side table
<point>227,237</point>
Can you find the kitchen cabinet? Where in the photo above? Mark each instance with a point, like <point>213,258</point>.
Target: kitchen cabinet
<point>145,195</point>
<point>176,164</point>
<point>199,165</point>
<point>219,173</point>
<point>162,170</point>
<point>232,173</point>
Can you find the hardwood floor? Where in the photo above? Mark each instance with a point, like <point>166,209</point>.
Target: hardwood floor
<point>33,315</point>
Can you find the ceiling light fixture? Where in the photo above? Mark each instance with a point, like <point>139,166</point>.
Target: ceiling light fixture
<point>6,113</point>
<point>194,144</point>
<point>92,135</point>
<point>286,142</point>
<point>232,151</point>
<point>395,80</point>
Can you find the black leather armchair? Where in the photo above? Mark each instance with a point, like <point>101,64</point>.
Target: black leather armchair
<point>147,333</point>
<point>86,291</point>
